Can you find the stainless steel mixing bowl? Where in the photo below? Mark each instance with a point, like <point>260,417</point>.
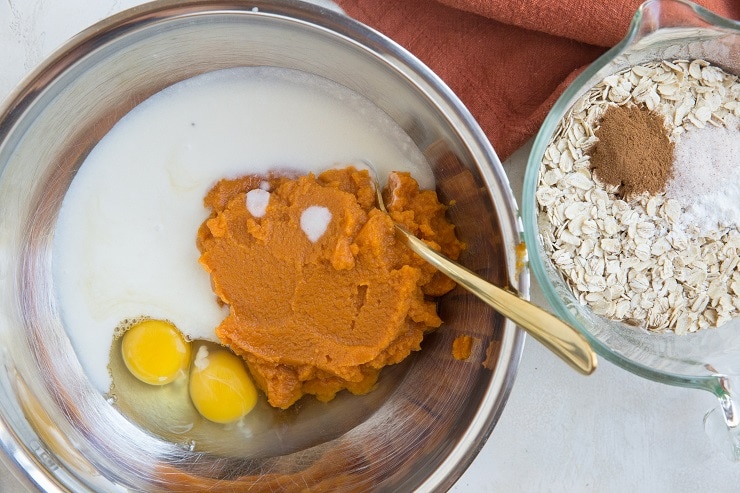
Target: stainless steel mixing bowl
<point>428,417</point>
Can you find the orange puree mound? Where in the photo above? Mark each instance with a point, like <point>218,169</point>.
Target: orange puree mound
<point>462,346</point>
<point>319,317</point>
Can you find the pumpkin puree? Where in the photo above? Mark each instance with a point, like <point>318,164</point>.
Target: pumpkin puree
<point>318,317</point>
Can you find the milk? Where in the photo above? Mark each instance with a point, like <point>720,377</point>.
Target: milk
<point>124,245</point>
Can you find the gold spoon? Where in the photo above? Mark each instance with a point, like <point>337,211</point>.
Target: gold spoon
<point>556,335</point>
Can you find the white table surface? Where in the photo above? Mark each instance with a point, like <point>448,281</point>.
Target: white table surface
<point>560,431</point>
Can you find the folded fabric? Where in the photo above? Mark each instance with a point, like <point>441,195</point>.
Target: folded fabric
<point>507,60</point>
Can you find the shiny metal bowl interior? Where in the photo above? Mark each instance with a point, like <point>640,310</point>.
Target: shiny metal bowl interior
<point>429,416</point>
<point>709,359</point>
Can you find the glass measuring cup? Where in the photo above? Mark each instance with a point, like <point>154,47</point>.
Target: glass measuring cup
<point>708,359</point>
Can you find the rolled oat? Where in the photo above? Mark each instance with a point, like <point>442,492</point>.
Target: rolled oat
<point>637,261</point>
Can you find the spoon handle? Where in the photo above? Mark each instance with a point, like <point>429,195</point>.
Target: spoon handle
<point>559,337</point>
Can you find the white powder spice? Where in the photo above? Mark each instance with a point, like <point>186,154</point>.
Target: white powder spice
<point>314,221</point>
<point>257,201</point>
<point>706,176</point>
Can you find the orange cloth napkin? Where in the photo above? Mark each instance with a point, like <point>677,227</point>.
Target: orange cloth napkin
<point>507,60</point>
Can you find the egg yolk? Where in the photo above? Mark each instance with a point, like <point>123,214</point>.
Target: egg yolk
<point>220,386</point>
<point>155,352</point>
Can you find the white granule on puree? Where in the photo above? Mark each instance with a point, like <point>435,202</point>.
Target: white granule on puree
<point>257,201</point>
<point>314,221</point>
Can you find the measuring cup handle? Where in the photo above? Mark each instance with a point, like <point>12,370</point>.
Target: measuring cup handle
<point>722,424</point>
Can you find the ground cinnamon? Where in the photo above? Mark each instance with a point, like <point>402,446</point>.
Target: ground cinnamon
<point>633,151</point>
